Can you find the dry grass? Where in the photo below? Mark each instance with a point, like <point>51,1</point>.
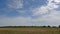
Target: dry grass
<point>29,30</point>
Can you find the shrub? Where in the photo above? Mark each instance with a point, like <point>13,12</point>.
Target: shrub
<point>48,26</point>
<point>59,26</point>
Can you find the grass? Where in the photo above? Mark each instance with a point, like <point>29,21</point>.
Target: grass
<point>29,30</point>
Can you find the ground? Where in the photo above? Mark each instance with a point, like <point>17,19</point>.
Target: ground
<point>29,30</point>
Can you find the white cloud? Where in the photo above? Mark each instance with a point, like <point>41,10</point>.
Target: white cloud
<point>52,16</point>
<point>58,1</point>
<point>15,4</point>
<point>45,9</point>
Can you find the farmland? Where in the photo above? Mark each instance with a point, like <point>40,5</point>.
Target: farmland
<point>29,30</point>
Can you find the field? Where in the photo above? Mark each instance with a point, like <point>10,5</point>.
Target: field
<point>29,30</point>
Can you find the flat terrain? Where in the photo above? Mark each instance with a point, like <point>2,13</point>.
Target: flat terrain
<point>29,30</point>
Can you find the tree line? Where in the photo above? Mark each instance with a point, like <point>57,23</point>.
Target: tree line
<point>30,26</point>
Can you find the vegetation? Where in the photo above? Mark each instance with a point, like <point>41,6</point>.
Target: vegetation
<point>49,26</point>
<point>29,30</point>
<point>59,26</point>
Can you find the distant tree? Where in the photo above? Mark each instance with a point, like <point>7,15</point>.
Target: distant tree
<point>48,26</point>
<point>44,26</point>
<point>59,26</point>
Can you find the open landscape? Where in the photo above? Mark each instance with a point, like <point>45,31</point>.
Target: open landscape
<point>29,16</point>
<point>29,30</point>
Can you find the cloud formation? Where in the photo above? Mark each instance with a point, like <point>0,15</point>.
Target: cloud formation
<point>48,13</point>
<point>28,14</point>
<point>15,4</point>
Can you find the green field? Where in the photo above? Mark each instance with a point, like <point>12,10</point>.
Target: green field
<point>29,30</point>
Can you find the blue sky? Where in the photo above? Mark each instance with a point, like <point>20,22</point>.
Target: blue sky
<point>29,12</point>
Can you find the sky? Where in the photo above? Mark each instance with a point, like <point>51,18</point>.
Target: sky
<point>29,12</point>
